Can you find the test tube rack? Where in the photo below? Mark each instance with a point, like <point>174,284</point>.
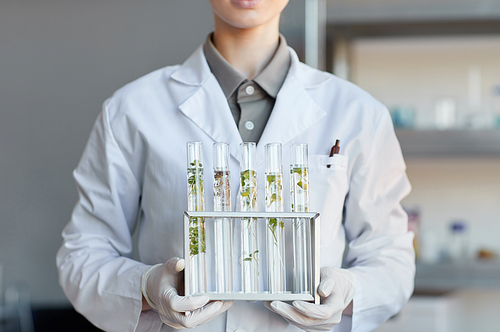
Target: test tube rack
<point>262,294</point>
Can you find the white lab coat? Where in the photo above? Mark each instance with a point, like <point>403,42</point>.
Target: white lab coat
<point>133,174</point>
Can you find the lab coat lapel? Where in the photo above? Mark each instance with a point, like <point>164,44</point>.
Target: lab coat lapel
<point>207,107</point>
<point>293,112</point>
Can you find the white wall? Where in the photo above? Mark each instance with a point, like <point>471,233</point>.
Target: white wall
<point>415,72</point>
<point>464,189</point>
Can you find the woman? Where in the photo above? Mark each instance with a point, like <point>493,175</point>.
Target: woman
<point>242,84</point>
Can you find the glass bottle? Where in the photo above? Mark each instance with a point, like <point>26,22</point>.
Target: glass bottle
<point>196,202</point>
<point>458,241</point>
<point>223,226</point>
<point>275,235</point>
<point>301,230</point>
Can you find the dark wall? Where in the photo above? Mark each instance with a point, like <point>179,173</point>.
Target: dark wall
<point>59,60</point>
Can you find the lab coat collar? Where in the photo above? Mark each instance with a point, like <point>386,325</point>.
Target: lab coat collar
<point>294,110</point>
<point>194,71</point>
<point>207,106</point>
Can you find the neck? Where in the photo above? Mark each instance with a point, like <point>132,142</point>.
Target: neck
<point>247,50</point>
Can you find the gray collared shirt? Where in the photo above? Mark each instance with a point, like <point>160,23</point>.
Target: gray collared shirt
<point>250,101</point>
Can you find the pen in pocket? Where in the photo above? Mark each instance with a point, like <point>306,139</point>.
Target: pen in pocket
<point>335,150</point>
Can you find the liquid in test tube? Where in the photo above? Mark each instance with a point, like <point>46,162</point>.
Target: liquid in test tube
<point>248,202</point>
<point>223,226</point>
<point>275,232</point>
<point>196,202</point>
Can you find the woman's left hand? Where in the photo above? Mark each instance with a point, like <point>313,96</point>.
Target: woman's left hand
<point>337,287</point>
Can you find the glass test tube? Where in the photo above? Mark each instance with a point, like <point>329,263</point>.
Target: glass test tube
<point>275,235</point>
<point>223,229</point>
<point>196,202</point>
<point>248,202</point>
<point>301,230</point>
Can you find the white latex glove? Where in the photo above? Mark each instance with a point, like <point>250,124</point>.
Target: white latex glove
<point>337,287</point>
<point>159,289</point>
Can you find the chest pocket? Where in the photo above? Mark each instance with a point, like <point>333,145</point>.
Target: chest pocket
<point>329,187</point>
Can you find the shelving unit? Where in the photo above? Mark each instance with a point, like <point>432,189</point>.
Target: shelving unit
<point>449,143</point>
<point>445,277</point>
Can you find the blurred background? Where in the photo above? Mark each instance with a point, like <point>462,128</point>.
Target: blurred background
<point>434,64</point>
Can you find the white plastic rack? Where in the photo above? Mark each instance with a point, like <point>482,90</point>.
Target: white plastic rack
<point>263,294</point>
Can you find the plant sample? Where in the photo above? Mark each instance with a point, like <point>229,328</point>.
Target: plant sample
<point>251,256</point>
<point>196,202</point>
<point>222,191</point>
<point>274,203</point>
<point>248,190</point>
<point>197,276</point>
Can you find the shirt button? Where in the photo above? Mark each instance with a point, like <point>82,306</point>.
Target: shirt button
<point>249,90</point>
<point>249,125</point>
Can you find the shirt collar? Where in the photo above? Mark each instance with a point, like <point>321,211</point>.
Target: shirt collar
<point>228,77</point>
<point>270,79</point>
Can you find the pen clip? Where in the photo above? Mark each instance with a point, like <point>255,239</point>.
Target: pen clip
<point>334,150</point>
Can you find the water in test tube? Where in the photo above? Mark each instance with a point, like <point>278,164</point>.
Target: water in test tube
<point>196,202</point>
<point>301,230</point>
<point>223,227</point>
<point>248,202</point>
<point>275,232</point>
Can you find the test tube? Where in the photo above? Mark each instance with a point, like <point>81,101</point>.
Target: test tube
<point>223,229</point>
<point>301,230</point>
<point>196,202</point>
<point>275,235</point>
<point>248,202</point>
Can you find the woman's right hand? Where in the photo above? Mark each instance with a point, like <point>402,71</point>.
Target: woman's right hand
<point>159,290</point>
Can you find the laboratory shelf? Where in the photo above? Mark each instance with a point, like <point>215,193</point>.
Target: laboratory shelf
<point>449,143</point>
<point>445,277</point>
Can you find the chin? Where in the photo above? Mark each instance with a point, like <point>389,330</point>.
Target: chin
<point>246,24</point>
<point>247,14</point>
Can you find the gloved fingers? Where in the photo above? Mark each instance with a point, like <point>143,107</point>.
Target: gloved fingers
<point>336,302</point>
<point>327,282</point>
<point>267,304</point>
<point>225,306</point>
<point>202,315</point>
<point>175,265</point>
<point>170,322</point>
<point>292,315</point>
<point>184,303</point>
<point>322,311</point>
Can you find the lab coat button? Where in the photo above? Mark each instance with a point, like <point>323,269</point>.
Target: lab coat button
<point>239,330</point>
<point>249,125</point>
<point>249,90</point>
